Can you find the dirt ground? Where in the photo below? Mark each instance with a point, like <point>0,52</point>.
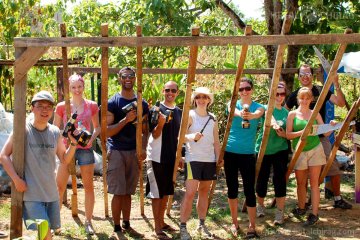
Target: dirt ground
<point>334,223</point>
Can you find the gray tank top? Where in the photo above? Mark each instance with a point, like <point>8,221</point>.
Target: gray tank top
<point>40,165</point>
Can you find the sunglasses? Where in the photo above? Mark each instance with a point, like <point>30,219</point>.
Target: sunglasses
<point>202,97</point>
<point>245,88</point>
<point>281,94</point>
<point>305,74</point>
<point>172,90</point>
<point>127,76</point>
<point>46,108</point>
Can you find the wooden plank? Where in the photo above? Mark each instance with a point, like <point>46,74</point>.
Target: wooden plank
<point>301,144</point>
<point>104,108</point>
<point>349,117</point>
<point>72,170</point>
<point>139,129</point>
<point>18,155</point>
<point>46,62</point>
<point>195,32</point>
<point>234,98</point>
<point>357,173</point>
<point>27,60</point>
<point>317,71</point>
<point>296,39</point>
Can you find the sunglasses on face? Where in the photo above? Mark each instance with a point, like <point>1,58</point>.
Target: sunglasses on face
<point>172,90</point>
<point>248,89</point>
<point>305,74</point>
<point>281,94</point>
<point>127,76</point>
<point>202,97</point>
<point>46,108</point>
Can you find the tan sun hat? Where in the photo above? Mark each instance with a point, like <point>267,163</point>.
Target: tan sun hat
<point>202,90</point>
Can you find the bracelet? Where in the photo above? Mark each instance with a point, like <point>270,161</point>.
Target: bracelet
<point>73,144</point>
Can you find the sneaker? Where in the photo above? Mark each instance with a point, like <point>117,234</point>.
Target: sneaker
<point>297,212</point>
<point>89,228</point>
<point>125,225</point>
<point>204,232</point>
<point>260,211</point>
<point>342,204</point>
<point>184,234</point>
<point>279,217</point>
<point>328,194</point>
<point>311,220</point>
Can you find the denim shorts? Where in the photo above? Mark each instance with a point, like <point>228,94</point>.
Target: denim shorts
<point>49,211</point>
<point>84,156</point>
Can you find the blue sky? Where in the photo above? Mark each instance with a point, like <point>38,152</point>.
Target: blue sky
<point>250,8</point>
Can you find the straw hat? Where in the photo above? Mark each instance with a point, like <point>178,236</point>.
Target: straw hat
<point>202,90</point>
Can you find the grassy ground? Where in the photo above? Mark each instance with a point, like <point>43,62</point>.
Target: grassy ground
<point>334,224</point>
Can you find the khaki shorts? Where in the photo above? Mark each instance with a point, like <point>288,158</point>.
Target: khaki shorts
<point>122,172</point>
<point>335,166</point>
<point>313,157</point>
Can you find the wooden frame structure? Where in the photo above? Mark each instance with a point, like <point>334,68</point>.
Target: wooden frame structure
<point>29,50</point>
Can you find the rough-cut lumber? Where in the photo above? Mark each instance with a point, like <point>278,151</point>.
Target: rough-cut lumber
<point>234,97</point>
<point>296,39</point>
<point>27,60</point>
<point>195,32</point>
<point>103,112</point>
<point>45,62</point>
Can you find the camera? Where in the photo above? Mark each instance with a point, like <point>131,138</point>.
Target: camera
<point>129,107</point>
<point>83,137</point>
<point>245,122</point>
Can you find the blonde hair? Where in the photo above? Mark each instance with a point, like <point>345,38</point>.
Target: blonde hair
<point>305,92</point>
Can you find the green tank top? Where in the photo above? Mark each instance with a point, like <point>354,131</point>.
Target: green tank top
<point>311,141</point>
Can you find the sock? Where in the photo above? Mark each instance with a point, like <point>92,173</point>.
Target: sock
<point>337,198</point>
<point>117,228</point>
<point>183,225</point>
<point>126,224</point>
<point>202,221</point>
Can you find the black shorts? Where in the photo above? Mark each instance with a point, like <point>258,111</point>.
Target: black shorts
<point>202,171</point>
<point>159,179</point>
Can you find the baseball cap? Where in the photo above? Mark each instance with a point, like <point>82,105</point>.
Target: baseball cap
<point>43,95</point>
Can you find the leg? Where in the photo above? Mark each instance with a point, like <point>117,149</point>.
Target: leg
<point>162,210</point>
<point>87,173</point>
<point>280,169</point>
<point>263,178</point>
<point>202,202</point>
<point>116,209</point>
<point>156,208</point>
<point>301,182</point>
<point>186,205</point>
<point>335,183</point>
<point>314,172</point>
<point>62,177</point>
<point>126,207</point>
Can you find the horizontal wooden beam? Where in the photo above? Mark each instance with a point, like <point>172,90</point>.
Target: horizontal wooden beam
<point>47,62</point>
<point>299,39</point>
<point>183,71</point>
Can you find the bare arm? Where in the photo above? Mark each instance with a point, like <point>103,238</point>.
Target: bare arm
<point>57,120</point>
<point>257,114</point>
<point>5,160</point>
<point>159,127</point>
<point>114,128</point>
<point>66,155</point>
<point>339,98</point>
<point>96,125</point>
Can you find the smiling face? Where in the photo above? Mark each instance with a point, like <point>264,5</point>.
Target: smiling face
<point>305,76</point>
<point>170,92</point>
<point>127,79</point>
<point>76,88</point>
<point>43,111</point>
<point>304,97</point>
<point>202,100</point>
<point>280,96</point>
<point>245,90</point>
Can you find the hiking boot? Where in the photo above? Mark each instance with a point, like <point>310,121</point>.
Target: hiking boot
<point>89,228</point>
<point>279,217</point>
<point>342,204</point>
<point>204,232</point>
<point>297,212</point>
<point>184,234</point>
<point>260,211</point>
<point>311,220</point>
<point>328,194</point>
<point>125,225</point>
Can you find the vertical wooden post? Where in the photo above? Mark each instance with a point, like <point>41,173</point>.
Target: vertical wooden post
<point>350,115</point>
<point>234,97</point>
<point>104,108</point>
<point>195,32</point>
<point>301,144</point>
<point>18,152</point>
<point>139,127</point>
<point>74,202</point>
<point>59,85</point>
<point>357,170</point>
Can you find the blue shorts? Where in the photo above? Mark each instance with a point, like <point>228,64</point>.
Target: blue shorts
<point>84,156</point>
<point>49,211</point>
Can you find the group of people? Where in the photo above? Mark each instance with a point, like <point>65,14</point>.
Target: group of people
<point>161,125</point>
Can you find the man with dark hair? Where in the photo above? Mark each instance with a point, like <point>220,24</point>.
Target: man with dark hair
<point>161,154</point>
<point>43,143</point>
<point>338,99</point>
<point>123,164</point>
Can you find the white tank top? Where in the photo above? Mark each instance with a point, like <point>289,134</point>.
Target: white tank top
<point>202,150</point>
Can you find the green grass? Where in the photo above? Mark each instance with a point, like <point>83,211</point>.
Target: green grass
<point>5,211</point>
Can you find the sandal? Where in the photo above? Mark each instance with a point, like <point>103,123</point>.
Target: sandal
<point>168,228</point>
<point>234,230</point>
<point>161,235</point>
<point>250,235</point>
<point>3,234</point>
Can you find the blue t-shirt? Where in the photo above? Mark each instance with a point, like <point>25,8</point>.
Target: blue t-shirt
<point>242,140</point>
<point>125,140</point>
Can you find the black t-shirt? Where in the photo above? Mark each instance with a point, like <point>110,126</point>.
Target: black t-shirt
<point>316,90</point>
<point>170,132</point>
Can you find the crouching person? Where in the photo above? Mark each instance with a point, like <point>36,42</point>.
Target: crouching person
<point>43,143</point>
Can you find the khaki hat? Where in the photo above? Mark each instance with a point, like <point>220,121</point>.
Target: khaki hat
<point>202,90</point>
<point>43,95</point>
